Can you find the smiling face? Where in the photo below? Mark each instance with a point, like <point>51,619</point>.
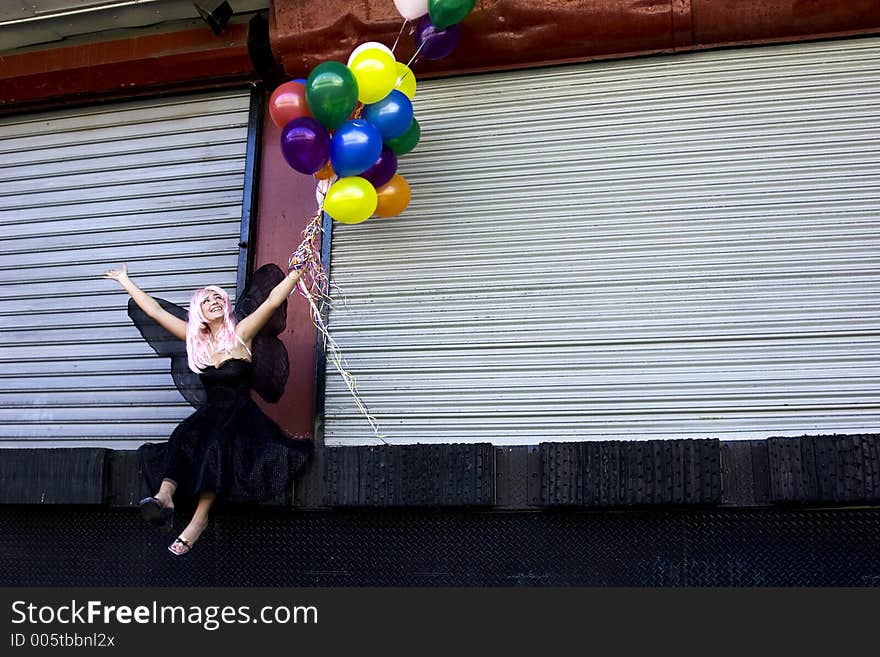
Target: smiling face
<point>213,306</point>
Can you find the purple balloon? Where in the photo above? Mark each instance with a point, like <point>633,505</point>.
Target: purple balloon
<point>384,168</point>
<point>305,144</point>
<point>438,43</point>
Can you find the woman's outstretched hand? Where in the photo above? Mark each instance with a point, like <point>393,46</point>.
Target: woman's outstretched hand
<point>117,274</point>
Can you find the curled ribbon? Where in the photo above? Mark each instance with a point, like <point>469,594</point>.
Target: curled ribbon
<point>313,285</point>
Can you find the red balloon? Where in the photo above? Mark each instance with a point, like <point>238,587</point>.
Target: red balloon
<point>288,102</point>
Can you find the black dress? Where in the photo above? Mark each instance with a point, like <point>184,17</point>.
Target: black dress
<point>228,446</point>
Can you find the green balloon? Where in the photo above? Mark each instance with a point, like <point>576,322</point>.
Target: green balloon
<point>331,93</point>
<point>407,141</point>
<point>444,13</point>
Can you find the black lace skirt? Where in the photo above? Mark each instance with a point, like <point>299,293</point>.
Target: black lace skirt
<point>230,448</point>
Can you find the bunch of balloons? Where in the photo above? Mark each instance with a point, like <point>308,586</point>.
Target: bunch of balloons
<point>351,122</point>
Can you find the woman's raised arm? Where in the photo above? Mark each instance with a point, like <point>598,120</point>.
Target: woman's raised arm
<point>172,324</point>
<point>249,326</point>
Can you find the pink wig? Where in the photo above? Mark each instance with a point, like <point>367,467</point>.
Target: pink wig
<point>198,334</point>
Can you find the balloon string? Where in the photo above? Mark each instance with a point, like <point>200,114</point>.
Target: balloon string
<point>416,53</point>
<point>405,21</point>
<point>307,257</point>
<point>339,362</point>
<point>419,49</point>
<point>403,77</point>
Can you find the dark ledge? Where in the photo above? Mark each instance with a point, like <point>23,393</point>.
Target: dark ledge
<point>53,476</point>
<point>410,475</point>
<point>828,470</point>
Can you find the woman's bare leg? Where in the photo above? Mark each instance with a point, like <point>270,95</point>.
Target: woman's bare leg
<point>196,526</point>
<point>166,493</point>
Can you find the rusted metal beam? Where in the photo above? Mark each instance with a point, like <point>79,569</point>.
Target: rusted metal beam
<point>501,34</point>
<point>122,68</point>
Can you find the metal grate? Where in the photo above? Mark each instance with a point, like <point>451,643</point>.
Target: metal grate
<point>77,546</point>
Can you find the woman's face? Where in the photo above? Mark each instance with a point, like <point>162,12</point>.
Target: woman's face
<point>213,306</point>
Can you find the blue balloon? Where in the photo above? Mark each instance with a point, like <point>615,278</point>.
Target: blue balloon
<point>392,115</point>
<point>355,147</point>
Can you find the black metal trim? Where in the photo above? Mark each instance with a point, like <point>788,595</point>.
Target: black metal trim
<point>260,50</point>
<point>512,477</point>
<point>250,197</point>
<point>320,354</point>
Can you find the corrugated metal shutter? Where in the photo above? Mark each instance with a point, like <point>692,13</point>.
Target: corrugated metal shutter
<point>157,184</point>
<point>669,247</point>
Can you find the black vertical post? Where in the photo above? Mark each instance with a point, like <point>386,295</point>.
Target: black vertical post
<point>251,189</point>
<point>320,353</point>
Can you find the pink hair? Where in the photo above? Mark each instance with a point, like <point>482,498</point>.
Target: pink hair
<point>198,334</point>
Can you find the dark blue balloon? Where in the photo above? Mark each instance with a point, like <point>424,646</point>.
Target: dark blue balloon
<point>433,43</point>
<point>383,169</point>
<point>391,115</point>
<point>302,80</point>
<point>355,146</point>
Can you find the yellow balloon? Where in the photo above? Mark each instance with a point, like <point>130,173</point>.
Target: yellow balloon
<point>376,74</point>
<point>406,80</point>
<point>351,200</point>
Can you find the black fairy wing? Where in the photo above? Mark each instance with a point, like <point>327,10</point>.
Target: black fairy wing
<point>163,343</point>
<point>271,365</point>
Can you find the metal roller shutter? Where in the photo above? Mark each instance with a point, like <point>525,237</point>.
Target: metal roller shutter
<point>668,247</point>
<point>157,184</point>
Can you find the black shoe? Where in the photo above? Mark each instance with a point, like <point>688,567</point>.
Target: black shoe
<point>154,513</point>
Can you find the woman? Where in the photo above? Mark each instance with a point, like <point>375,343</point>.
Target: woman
<point>228,447</point>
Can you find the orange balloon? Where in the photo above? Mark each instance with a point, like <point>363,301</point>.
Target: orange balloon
<point>288,102</point>
<point>393,197</point>
<point>326,172</point>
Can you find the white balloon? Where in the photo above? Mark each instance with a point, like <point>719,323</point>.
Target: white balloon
<point>411,9</point>
<point>322,188</point>
<point>367,46</point>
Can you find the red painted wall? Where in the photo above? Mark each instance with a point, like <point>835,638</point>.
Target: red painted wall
<point>286,204</point>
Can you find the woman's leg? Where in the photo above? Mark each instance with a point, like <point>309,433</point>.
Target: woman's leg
<point>195,527</point>
<point>166,493</point>
<point>159,509</point>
